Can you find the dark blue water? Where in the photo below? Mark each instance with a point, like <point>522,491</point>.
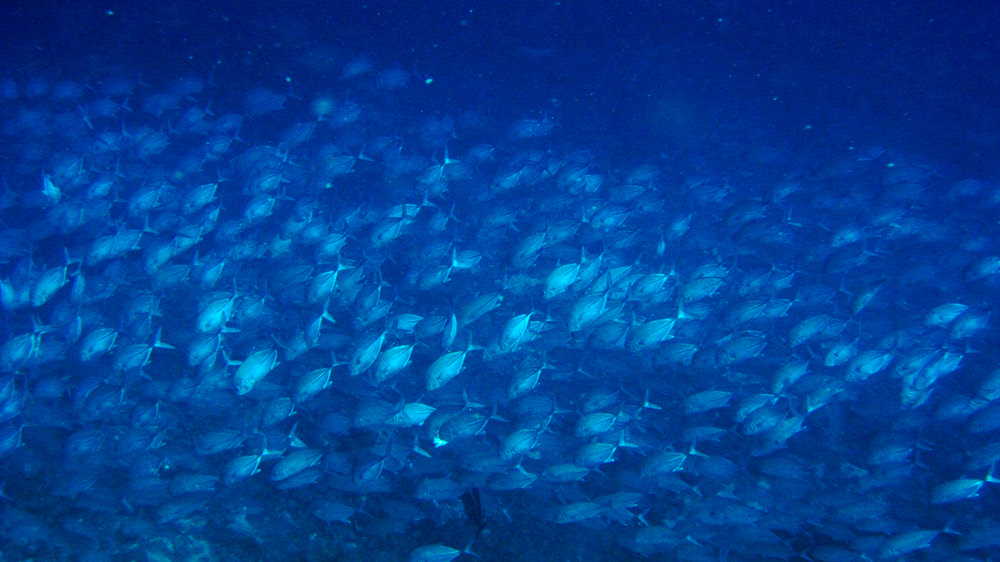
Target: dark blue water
<point>778,184</point>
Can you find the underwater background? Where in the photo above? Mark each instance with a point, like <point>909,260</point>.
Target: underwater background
<point>500,280</point>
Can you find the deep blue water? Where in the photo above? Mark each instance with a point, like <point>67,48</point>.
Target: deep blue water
<point>853,147</point>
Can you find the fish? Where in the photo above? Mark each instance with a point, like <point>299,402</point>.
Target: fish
<point>366,353</point>
<point>474,507</point>
<point>254,368</point>
<point>776,352</point>
<point>446,368</point>
<point>295,463</point>
<point>390,362</point>
<point>97,343</point>
<point>960,489</point>
<point>560,279</point>
<point>433,553</point>
<point>241,468</point>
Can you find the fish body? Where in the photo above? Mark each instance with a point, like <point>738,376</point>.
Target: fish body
<point>254,368</point>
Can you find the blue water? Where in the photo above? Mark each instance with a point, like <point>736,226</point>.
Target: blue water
<point>881,116</point>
